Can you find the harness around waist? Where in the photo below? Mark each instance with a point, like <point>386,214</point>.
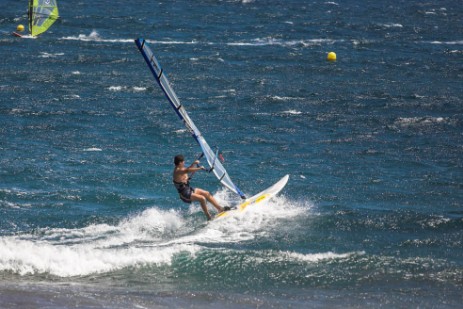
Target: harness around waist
<point>184,191</point>
<point>180,186</point>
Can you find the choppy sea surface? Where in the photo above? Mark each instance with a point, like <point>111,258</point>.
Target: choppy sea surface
<point>372,215</point>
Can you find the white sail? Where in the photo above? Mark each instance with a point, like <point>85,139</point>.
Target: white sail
<point>211,156</point>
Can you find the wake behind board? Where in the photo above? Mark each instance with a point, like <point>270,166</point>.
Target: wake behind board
<point>265,195</point>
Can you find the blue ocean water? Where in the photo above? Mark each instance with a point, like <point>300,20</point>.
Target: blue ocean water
<point>372,215</point>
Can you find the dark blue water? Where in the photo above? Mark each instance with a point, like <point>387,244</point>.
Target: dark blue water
<point>372,215</point>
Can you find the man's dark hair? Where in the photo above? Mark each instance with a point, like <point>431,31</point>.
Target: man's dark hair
<point>178,159</point>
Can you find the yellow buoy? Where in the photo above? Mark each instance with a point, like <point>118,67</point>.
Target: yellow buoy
<point>331,56</point>
<point>20,28</point>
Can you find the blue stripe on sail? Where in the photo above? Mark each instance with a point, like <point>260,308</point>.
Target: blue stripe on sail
<point>141,44</point>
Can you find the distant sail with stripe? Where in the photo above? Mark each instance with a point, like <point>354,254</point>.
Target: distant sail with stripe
<point>211,156</point>
<point>42,14</point>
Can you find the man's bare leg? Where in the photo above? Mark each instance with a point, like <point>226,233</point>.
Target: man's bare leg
<point>202,200</point>
<point>210,198</point>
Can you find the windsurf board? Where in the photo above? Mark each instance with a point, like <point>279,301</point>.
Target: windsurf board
<point>260,197</point>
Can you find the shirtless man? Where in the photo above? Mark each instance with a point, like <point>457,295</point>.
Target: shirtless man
<point>189,194</point>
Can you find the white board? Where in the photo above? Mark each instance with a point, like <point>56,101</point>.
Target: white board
<point>258,198</point>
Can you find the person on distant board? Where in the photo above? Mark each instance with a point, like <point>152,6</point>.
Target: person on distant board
<point>189,194</point>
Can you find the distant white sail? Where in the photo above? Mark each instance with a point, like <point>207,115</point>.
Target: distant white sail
<point>215,164</point>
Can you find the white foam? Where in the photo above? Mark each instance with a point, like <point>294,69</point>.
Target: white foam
<point>93,149</point>
<point>285,43</point>
<point>316,257</point>
<point>292,112</point>
<point>28,36</point>
<point>27,257</point>
<point>139,89</point>
<point>125,88</point>
<point>94,36</point>
<point>95,248</point>
<point>278,98</point>
<point>421,121</point>
<point>256,221</point>
<point>180,131</point>
<point>47,55</point>
<point>116,88</point>
<point>152,237</point>
<point>445,42</point>
<point>9,204</point>
<point>71,97</point>
<point>391,25</point>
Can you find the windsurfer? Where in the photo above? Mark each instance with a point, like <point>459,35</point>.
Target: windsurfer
<point>189,194</point>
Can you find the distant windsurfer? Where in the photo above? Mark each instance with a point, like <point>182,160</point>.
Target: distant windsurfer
<point>189,194</point>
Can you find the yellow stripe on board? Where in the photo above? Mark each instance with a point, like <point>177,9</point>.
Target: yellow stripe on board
<point>260,198</point>
<point>243,206</point>
<point>220,214</point>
